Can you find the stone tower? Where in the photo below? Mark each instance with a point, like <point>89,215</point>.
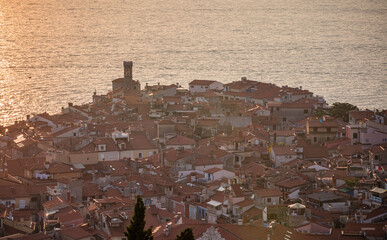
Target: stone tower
<point>128,74</point>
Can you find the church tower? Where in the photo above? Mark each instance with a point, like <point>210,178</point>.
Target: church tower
<point>128,74</point>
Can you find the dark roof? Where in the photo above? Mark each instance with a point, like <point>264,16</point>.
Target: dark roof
<point>324,196</point>
<point>202,82</point>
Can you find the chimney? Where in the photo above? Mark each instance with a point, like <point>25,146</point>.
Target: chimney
<point>211,156</point>
<point>28,117</point>
<point>70,104</point>
<point>243,79</point>
<point>167,229</point>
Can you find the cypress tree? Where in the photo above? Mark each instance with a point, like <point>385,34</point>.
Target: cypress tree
<point>137,224</point>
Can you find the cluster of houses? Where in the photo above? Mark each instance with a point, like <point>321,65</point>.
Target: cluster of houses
<point>243,160</point>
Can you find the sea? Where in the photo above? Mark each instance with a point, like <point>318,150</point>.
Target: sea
<point>53,52</point>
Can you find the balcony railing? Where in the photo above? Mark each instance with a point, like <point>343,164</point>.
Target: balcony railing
<point>376,199</point>
<point>54,191</point>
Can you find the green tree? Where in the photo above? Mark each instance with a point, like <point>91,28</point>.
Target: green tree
<point>187,234</point>
<point>320,112</point>
<point>137,224</point>
<point>341,110</point>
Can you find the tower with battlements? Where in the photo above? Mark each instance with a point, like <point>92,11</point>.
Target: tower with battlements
<point>127,82</point>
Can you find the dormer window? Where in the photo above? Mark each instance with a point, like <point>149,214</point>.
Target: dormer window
<point>122,146</point>
<point>102,147</point>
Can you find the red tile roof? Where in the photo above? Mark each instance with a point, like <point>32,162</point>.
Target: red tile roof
<point>291,183</point>
<point>213,170</point>
<point>268,193</point>
<point>180,140</point>
<point>284,150</point>
<point>139,141</point>
<point>202,82</point>
<point>75,233</point>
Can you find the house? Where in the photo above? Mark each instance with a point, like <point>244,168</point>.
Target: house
<point>284,137</point>
<point>78,233</point>
<point>378,156</point>
<point>240,86</point>
<point>25,147</point>
<point>202,163</point>
<point>282,154</point>
<point>377,215</point>
<point>61,170</point>
<point>315,153</point>
<point>69,189</point>
<point>291,112</point>
<point>178,159</point>
<point>214,210</point>
<point>107,149</point>
<point>317,199</point>
<point>290,185</point>
<point>180,142</point>
<point>378,197</point>
<point>204,85</point>
<point>264,197</point>
<point>158,91</point>
<point>15,195</point>
<point>23,220</point>
<point>214,174</point>
<point>359,117</point>
<point>62,213</point>
<point>319,131</point>
<point>165,127</point>
<point>139,146</point>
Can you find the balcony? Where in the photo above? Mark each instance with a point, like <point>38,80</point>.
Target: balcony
<point>376,199</point>
<point>54,191</point>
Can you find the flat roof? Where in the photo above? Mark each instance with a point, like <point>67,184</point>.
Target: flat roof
<point>214,203</point>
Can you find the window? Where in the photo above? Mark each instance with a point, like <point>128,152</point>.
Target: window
<point>284,119</point>
<point>192,86</point>
<point>22,204</point>
<point>101,147</point>
<point>314,129</point>
<point>74,134</point>
<point>354,135</point>
<point>328,129</point>
<point>268,199</point>
<point>384,139</point>
<point>328,138</point>
<point>306,111</point>
<point>139,155</point>
<point>315,139</point>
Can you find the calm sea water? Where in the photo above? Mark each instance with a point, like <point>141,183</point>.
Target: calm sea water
<point>53,52</point>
